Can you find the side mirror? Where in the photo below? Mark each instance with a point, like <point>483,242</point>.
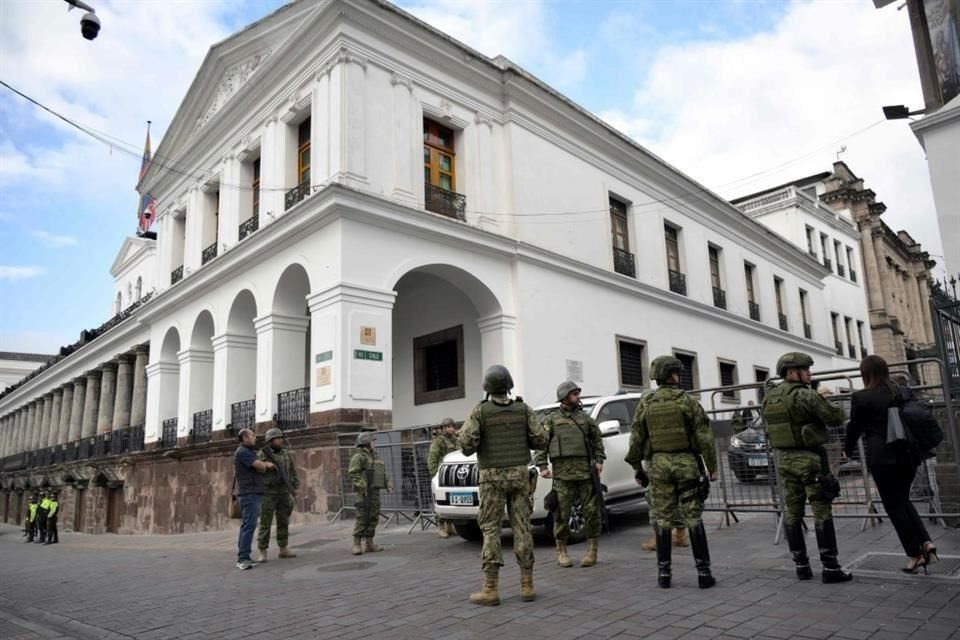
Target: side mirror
<point>609,427</point>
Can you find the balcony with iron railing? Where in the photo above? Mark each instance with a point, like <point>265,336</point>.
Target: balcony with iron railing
<point>624,263</point>
<point>678,282</point>
<point>202,426</point>
<point>209,253</point>
<point>807,331</point>
<point>296,194</point>
<point>852,350</point>
<point>784,326</point>
<point>754,311</point>
<point>249,226</point>
<point>168,433</point>
<point>446,203</point>
<point>105,445</point>
<point>243,415</point>
<point>719,298</point>
<point>838,347</point>
<point>853,275</point>
<point>176,275</point>
<point>293,408</point>
<point>841,270</point>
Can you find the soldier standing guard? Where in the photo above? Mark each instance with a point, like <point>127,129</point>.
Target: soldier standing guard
<point>572,436</point>
<point>671,432</point>
<point>797,418</point>
<point>501,431</point>
<point>280,488</point>
<point>444,443</point>
<point>53,536</point>
<point>369,476</point>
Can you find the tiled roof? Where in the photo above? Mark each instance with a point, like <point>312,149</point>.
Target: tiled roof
<point>25,357</point>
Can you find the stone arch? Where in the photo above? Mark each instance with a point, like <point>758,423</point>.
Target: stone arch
<point>197,364</point>
<point>168,379</point>
<point>287,329</point>
<point>240,358</point>
<point>293,286</point>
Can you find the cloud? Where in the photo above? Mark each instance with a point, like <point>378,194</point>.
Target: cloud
<point>19,273</point>
<point>54,241</point>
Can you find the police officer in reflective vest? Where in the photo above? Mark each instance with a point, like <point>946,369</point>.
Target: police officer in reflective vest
<point>32,508</point>
<point>671,431</point>
<point>502,431</point>
<point>42,510</point>
<point>53,509</point>
<point>797,418</point>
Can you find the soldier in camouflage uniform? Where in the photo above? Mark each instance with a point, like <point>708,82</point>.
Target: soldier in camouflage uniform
<point>369,476</point>
<point>278,496</point>
<point>670,430</point>
<point>445,442</point>
<point>797,419</point>
<point>501,431</point>
<point>568,428</point>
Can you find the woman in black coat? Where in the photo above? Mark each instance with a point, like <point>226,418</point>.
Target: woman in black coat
<point>893,466</point>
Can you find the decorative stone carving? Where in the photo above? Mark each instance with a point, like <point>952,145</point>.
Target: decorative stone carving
<point>233,78</point>
<point>483,119</point>
<point>396,79</point>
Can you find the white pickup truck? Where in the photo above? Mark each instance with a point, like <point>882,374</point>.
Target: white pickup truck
<point>456,493</point>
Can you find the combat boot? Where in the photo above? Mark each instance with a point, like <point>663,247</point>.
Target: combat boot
<point>680,537</point>
<point>527,594</point>
<point>261,556</point>
<point>371,547</point>
<point>798,549</point>
<point>701,556</point>
<point>562,558</point>
<point>488,595</point>
<point>357,549</point>
<point>651,544</point>
<point>286,553</point>
<point>442,531</point>
<point>591,558</point>
<point>827,542</point>
<point>664,573</point>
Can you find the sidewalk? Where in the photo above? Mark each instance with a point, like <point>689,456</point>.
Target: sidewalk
<point>186,587</point>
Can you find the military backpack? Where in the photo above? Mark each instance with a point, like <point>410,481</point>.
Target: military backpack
<point>787,427</point>
<point>503,442</point>
<point>667,424</point>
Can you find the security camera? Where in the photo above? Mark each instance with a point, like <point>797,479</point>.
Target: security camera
<point>90,26</point>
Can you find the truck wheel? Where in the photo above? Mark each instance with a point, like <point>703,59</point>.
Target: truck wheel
<point>469,531</point>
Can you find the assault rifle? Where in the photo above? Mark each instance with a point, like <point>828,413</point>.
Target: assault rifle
<point>268,454</point>
<point>598,487</point>
<point>369,501</point>
<point>829,485</point>
<point>703,479</point>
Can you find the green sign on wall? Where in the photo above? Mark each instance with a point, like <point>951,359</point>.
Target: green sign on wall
<point>362,354</point>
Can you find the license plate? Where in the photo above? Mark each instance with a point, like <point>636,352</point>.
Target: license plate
<point>461,499</point>
<point>758,461</point>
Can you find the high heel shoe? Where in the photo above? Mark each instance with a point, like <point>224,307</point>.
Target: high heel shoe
<point>930,553</point>
<point>916,564</point>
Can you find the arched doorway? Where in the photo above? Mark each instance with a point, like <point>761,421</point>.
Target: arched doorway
<point>196,364</point>
<point>239,344</point>
<point>168,373</point>
<point>286,331</point>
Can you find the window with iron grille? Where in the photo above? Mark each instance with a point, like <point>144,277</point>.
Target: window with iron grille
<point>632,354</point>
<point>438,366</point>
<point>255,187</point>
<point>689,377</point>
<point>728,378</point>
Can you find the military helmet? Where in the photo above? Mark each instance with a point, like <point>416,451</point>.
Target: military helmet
<point>662,367</point>
<point>793,360</point>
<point>272,433</point>
<point>564,389</point>
<point>447,422</point>
<point>365,437</point>
<point>497,379</point>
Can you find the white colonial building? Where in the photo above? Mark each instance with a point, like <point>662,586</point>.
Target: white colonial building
<point>356,216</point>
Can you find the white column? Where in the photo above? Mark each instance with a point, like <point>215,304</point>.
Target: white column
<point>354,120</point>
<point>498,343</point>
<point>54,437</point>
<point>234,360</point>
<point>163,384</point>
<point>320,123</point>
<point>193,247</point>
<point>281,339</point>
<point>406,142</point>
<point>196,387</point>
<point>483,188</point>
<point>232,189</point>
<point>45,421</point>
<point>76,411</point>
<point>271,173</point>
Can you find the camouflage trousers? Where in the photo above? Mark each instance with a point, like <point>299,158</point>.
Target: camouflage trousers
<point>569,492</point>
<point>673,490</point>
<point>367,527</point>
<point>505,488</point>
<point>799,470</point>
<point>279,505</point>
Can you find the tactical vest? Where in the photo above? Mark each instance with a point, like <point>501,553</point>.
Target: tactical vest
<point>379,480</point>
<point>566,438</point>
<point>788,426</point>
<point>503,440</point>
<point>666,422</point>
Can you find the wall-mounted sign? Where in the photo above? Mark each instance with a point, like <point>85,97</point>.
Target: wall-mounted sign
<point>368,335</point>
<point>324,357</point>
<point>324,376</point>
<point>363,354</point>
<point>575,370</point>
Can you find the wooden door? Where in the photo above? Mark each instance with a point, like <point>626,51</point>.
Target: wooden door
<point>114,503</point>
<point>79,509</point>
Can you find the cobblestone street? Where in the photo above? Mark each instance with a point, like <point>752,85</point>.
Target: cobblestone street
<point>186,587</point>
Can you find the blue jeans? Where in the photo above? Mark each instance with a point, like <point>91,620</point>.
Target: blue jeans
<point>250,510</point>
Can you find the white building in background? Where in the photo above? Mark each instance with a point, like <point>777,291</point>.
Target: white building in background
<point>134,272</point>
<point>831,237</point>
<point>14,366</point>
<point>365,215</point>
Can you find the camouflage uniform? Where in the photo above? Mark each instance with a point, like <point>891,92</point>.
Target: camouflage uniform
<point>442,445</point>
<point>368,514</point>
<point>797,420</point>
<point>277,499</point>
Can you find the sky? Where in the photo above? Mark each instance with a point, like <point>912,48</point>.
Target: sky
<point>738,94</point>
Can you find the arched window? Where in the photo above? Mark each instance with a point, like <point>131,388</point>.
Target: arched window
<point>139,287</point>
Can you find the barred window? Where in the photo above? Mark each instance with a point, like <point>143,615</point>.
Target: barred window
<point>632,366</point>
<point>688,377</point>
<point>438,366</point>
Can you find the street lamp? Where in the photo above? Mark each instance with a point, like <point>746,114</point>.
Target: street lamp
<point>892,112</point>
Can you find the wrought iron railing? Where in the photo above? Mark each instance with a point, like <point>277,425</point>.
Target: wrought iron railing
<point>754,311</point>
<point>293,408</point>
<point>101,445</point>
<point>783,321</point>
<point>852,350</point>
<point>249,226</point>
<point>168,435</point>
<point>841,270</point>
<point>119,442</point>
<point>243,415</point>
<point>678,282</point>
<point>296,194</point>
<point>209,253</point>
<point>136,438</point>
<point>85,450</point>
<point>853,275</point>
<point>719,298</point>
<point>624,263</point>
<point>828,264</point>
<point>863,352</point>
<point>446,203</point>
<point>807,331</point>
<point>202,425</point>
<point>838,347</point>
<point>176,275</point>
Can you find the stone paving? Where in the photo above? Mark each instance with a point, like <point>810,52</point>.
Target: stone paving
<point>186,587</point>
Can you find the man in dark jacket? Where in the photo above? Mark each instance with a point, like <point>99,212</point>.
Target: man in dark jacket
<point>249,482</point>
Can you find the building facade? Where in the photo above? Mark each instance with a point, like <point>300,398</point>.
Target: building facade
<point>363,216</point>
<point>14,366</point>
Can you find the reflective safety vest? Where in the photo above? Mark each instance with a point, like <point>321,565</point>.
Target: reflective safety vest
<point>54,505</point>
<point>45,504</point>
<point>32,507</point>
<point>788,426</point>
<point>666,422</point>
<point>503,435</point>
<point>567,437</point>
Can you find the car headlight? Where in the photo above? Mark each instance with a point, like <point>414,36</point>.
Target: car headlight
<point>736,442</point>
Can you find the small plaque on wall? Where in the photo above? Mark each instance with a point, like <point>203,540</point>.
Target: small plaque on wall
<point>575,370</point>
<point>324,376</point>
<point>368,335</point>
<point>324,357</point>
